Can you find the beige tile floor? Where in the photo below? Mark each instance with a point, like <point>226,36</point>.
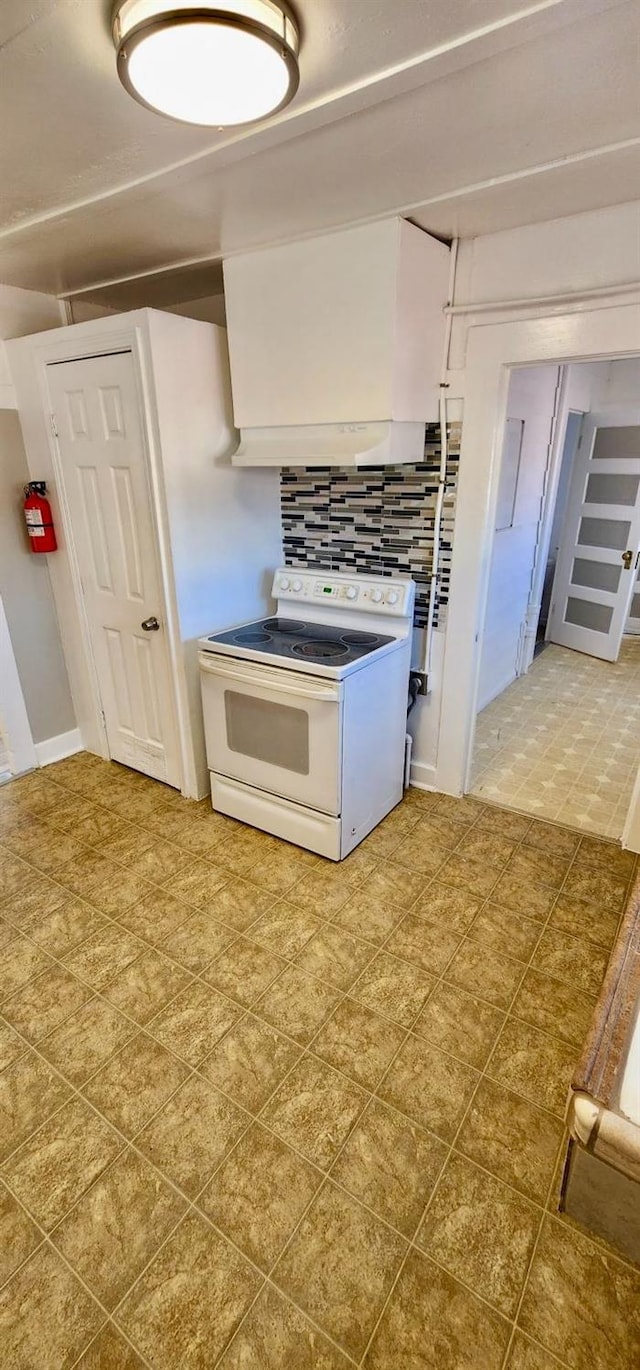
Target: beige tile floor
<point>563,742</point>
<point>259,1111</point>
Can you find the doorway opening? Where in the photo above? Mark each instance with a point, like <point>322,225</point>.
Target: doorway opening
<point>558,724</point>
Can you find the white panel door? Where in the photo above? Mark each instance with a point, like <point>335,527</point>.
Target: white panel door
<point>632,624</point>
<point>101,449</point>
<point>596,570</point>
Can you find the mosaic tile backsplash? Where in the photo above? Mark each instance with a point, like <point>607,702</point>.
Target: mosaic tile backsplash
<point>379,519</point>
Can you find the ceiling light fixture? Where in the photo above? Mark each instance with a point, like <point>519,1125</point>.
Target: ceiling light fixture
<point>220,62</point>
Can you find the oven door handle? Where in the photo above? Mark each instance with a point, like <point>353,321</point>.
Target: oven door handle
<point>304,687</point>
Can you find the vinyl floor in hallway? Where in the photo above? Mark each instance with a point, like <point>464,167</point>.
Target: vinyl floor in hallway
<point>259,1111</point>
<point>563,741</point>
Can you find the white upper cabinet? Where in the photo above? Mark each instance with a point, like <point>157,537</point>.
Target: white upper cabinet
<point>345,329</point>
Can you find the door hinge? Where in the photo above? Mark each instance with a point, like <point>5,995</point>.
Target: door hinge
<point>104,721</point>
<point>54,426</point>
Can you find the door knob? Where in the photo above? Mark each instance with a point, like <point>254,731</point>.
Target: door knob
<point>151,625</point>
<point>627,558</point>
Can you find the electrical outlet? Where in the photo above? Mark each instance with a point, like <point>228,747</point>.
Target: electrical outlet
<point>423,682</point>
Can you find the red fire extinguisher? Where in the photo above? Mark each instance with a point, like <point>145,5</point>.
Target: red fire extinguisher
<point>37,512</point>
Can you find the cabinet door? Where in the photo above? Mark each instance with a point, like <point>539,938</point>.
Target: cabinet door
<point>100,439</point>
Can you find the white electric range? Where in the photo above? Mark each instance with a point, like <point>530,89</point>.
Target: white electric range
<point>305,711</point>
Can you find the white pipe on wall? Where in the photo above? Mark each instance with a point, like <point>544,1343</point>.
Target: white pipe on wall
<point>442,473</point>
<point>542,301</point>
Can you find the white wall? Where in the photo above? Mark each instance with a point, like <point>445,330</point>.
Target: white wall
<point>83,311</point>
<point>583,252</point>
<point>532,394</point>
<point>22,312</point>
<point>28,599</point>
<point>622,384</point>
<point>5,753</point>
<point>605,384</point>
<point>209,309</point>
<point>24,578</point>
<point>17,750</point>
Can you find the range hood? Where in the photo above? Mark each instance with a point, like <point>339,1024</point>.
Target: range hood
<point>332,444</point>
<point>336,347</point>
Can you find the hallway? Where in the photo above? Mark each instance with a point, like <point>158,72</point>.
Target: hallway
<point>563,742</point>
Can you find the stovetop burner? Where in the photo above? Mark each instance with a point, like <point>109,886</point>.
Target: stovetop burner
<point>321,643</point>
<point>284,625</point>
<point>251,636</point>
<point>320,650</point>
<point>356,639</point>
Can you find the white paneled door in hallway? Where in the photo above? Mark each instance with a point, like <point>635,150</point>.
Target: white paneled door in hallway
<point>598,560</point>
<point>632,625</point>
<point>100,441</point>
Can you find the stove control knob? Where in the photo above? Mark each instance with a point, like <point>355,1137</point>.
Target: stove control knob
<point>284,583</point>
<point>352,593</point>
<point>392,597</point>
<point>376,596</point>
<point>296,585</point>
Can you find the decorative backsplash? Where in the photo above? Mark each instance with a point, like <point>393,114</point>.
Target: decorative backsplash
<point>379,519</point>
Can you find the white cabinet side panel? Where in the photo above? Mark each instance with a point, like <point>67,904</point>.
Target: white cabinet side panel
<point>223,525</point>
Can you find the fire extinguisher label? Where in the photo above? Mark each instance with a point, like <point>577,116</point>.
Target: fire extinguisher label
<point>37,532</point>
<point>34,516</point>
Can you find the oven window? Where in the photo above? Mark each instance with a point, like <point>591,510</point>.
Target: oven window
<point>267,732</point>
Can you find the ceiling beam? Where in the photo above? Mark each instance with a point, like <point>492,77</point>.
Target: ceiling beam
<point>418,208</point>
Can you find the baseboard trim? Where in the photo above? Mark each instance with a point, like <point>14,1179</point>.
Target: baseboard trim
<point>498,691</point>
<point>422,776</point>
<point>56,748</point>
<point>425,777</point>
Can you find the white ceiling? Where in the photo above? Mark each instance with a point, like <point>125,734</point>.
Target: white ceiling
<point>469,116</point>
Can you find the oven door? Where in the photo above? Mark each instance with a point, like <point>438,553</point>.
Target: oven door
<point>275,729</point>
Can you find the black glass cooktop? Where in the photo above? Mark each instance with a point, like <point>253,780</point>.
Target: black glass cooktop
<point>315,642</point>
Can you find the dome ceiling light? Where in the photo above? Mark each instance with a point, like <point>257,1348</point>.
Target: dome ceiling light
<point>220,62</point>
